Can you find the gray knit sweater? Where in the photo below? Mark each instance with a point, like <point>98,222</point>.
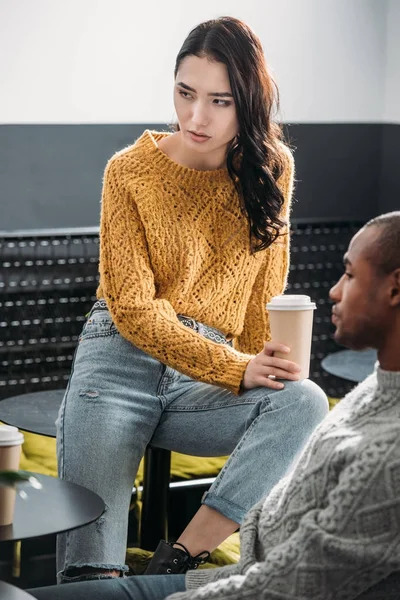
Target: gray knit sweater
<point>331,529</point>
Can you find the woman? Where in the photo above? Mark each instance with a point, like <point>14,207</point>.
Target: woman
<point>194,242</point>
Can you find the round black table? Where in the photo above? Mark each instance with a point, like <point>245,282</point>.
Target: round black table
<point>58,506</point>
<point>36,412</point>
<point>353,365</point>
<point>10,592</point>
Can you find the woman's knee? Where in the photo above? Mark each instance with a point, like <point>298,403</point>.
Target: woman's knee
<point>314,399</point>
<point>304,396</point>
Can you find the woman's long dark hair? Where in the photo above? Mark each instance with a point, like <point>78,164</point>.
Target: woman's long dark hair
<point>255,159</point>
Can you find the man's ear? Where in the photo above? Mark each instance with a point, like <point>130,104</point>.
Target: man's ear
<point>395,288</point>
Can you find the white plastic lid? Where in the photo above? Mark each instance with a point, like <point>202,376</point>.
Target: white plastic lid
<point>10,436</point>
<point>291,302</point>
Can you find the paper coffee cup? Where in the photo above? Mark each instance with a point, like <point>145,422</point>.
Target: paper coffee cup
<point>291,321</point>
<point>10,453</point>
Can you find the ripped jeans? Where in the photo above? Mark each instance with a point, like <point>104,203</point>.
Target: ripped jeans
<point>119,399</point>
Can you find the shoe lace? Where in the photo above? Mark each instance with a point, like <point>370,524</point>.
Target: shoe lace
<point>199,559</point>
<point>193,561</point>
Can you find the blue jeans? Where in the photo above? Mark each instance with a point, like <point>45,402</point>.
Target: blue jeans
<point>148,587</point>
<point>159,587</point>
<point>119,399</point>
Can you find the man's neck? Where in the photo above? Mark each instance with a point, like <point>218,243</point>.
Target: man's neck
<point>389,354</point>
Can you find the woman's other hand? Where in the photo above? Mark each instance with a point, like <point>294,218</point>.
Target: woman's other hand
<point>265,364</point>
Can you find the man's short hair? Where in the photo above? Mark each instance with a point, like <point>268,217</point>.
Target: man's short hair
<point>385,251</point>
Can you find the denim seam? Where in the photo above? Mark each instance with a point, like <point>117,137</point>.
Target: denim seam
<point>62,413</point>
<point>165,380</point>
<point>62,449</point>
<point>89,336</point>
<point>208,407</point>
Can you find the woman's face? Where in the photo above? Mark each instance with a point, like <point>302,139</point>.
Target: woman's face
<point>204,105</point>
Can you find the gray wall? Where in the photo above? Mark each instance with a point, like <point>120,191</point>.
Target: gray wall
<point>51,175</point>
<point>390,158</point>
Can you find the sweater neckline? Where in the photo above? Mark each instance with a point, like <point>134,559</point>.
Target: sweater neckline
<point>388,379</point>
<point>149,141</point>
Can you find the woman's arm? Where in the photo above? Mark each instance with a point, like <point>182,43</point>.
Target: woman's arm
<point>127,282</point>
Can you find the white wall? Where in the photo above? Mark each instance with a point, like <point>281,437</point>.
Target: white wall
<point>392,89</point>
<point>81,61</point>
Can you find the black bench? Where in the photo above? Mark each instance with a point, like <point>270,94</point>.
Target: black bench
<point>48,280</point>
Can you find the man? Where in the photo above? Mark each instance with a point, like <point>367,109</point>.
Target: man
<point>331,529</point>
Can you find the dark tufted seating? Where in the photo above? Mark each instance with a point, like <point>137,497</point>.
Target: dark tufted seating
<point>48,281</point>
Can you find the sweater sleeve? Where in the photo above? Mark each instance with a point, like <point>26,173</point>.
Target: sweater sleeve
<point>272,276</point>
<point>128,286</point>
<point>337,551</point>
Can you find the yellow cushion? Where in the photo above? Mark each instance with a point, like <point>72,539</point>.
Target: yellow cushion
<point>184,466</point>
<point>333,402</point>
<point>39,454</point>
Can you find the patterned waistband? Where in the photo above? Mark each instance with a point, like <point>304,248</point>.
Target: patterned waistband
<point>208,332</point>
<point>98,305</point>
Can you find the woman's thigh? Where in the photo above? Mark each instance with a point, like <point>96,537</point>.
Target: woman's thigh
<point>111,406</point>
<point>148,587</point>
<point>207,420</point>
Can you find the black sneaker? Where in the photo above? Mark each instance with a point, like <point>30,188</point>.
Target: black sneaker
<point>168,559</point>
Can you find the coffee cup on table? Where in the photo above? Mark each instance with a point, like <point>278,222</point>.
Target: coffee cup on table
<point>10,453</point>
<point>291,321</point>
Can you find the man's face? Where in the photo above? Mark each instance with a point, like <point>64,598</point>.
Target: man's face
<point>360,312</point>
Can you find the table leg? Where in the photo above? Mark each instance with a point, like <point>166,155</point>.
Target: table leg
<point>6,561</point>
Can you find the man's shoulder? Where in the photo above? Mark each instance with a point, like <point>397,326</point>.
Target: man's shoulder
<point>364,418</point>
<point>363,400</point>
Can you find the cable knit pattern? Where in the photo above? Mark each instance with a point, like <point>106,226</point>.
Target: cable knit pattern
<point>331,529</point>
<point>173,240</point>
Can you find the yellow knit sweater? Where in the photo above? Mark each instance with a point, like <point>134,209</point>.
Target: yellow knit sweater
<point>173,240</point>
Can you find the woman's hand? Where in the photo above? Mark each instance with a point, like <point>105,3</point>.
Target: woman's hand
<point>264,364</point>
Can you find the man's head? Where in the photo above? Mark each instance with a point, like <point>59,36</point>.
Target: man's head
<point>366,309</point>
